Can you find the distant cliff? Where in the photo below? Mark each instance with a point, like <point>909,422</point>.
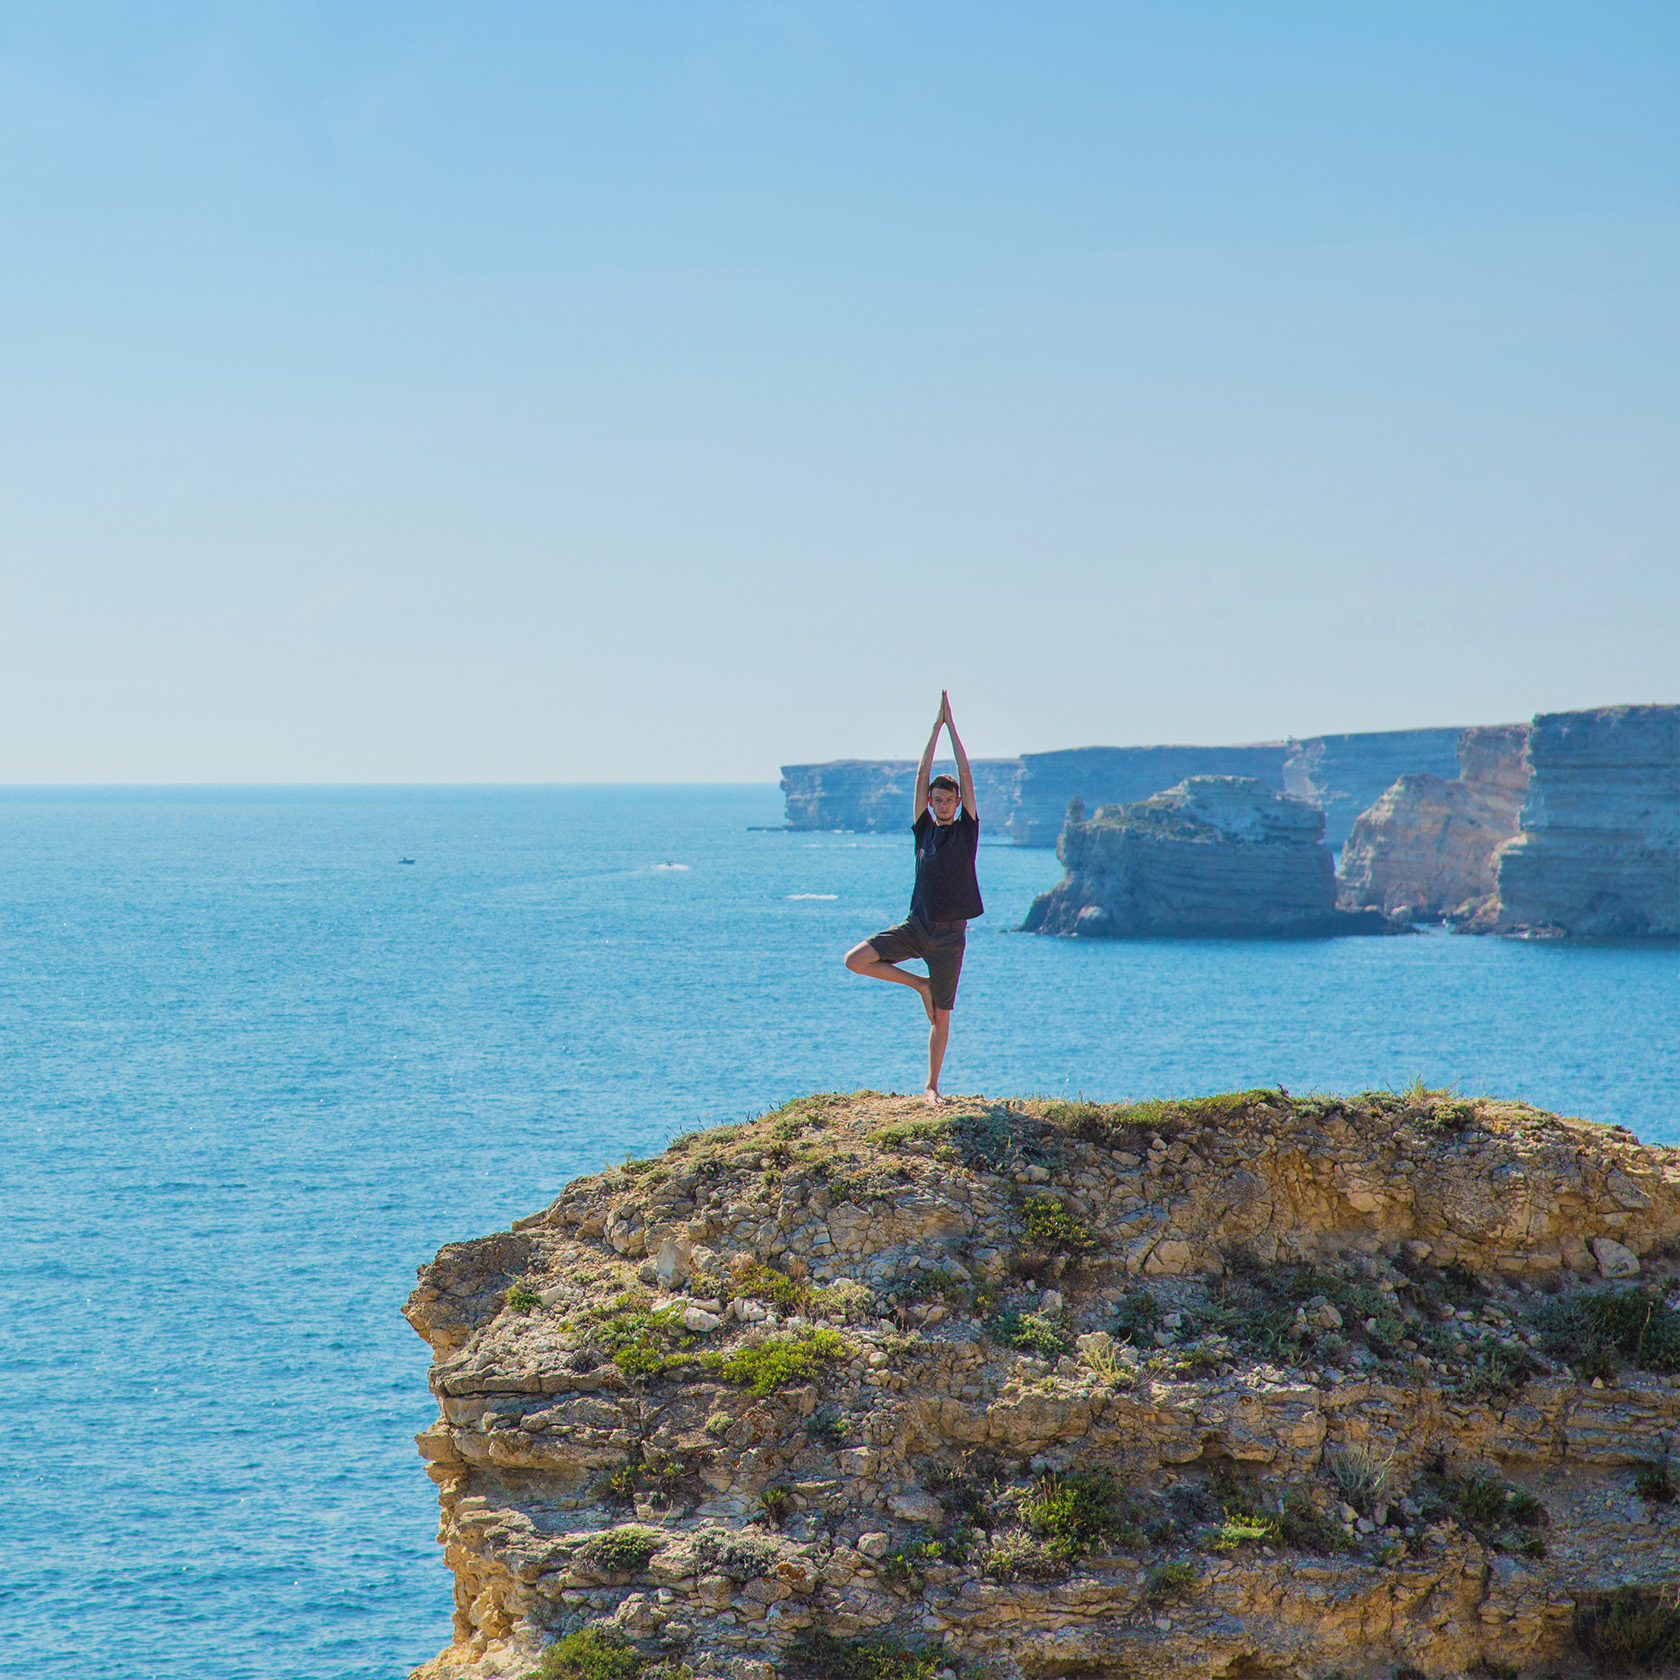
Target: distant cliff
<point>872,795</point>
<point>1120,775</point>
<point>1598,855</point>
<point>1346,774</point>
<point>1215,856</point>
<point>1027,797</point>
<point>1425,850</point>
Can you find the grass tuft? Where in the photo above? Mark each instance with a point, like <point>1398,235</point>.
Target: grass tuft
<point>778,1360</point>
<point>589,1654</point>
<point>1630,1629</point>
<point>820,1656</point>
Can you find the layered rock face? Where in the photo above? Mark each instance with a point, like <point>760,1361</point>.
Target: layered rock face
<point>1216,856</point>
<point>1121,775</point>
<point>1242,1386</point>
<point>1026,796</point>
<point>1346,774</point>
<point>1598,855</point>
<point>872,795</point>
<point>1425,850</point>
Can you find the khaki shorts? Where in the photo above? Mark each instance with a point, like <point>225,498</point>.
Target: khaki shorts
<point>938,944</point>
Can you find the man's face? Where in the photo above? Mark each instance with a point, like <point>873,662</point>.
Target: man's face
<point>943,802</point>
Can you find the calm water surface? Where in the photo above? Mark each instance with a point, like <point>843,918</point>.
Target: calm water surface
<point>253,1070</point>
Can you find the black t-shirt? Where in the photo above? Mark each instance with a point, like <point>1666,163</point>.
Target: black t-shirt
<point>946,889</point>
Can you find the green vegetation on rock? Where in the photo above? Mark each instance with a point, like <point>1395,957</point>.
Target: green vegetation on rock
<point>778,1360</point>
<point>589,1654</point>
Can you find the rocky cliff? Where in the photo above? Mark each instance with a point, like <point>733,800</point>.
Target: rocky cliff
<point>1425,850</point>
<point>1215,856</point>
<point>1027,796</point>
<point>1598,855</point>
<point>1346,774</point>
<point>1096,776</point>
<point>1247,1386</point>
<point>872,795</point>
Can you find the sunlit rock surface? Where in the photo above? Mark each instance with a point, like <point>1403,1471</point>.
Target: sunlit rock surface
<point>1217,856</point>
<point>1598,852</point>
<point>1425,850</point>
<point>1241,1386</point>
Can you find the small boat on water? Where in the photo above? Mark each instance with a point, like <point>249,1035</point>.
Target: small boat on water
<point>405,860</point>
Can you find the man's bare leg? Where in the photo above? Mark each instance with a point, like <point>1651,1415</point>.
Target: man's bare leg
<point>938,1036</point>
<point>861,959</point>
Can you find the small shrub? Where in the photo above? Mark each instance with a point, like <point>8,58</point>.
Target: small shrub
<point>1244,1531</point>
<point>1071,1513</point>
<point>1596,1333</point>
<point>1170,1580</point>
<point>1654,1484</point>
<point>1302,1525</point>
<point>820,1656</point>
<point>1138,1317</point>
<point>908,1565</point>
<point>827,1430</point>
<point>1030,1333</point>
<point>1052,1228</point>
<point>1481,1499</point>
<point>776,1505</point>
<point>621,1551</point>
<point>1018,1557</point>
<point>589,1654</point>
<point>778,1360</point>
<point>760,1282</point>
<point>521,1298</point>
<point>1361,1476</point>
<point>1629,1629</point>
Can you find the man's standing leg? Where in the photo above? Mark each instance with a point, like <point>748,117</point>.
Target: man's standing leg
<point>938,1036</point>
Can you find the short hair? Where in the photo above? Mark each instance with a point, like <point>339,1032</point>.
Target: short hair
<point>944,782</point>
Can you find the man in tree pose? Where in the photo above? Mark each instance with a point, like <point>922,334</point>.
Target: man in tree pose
<point>945,900</point>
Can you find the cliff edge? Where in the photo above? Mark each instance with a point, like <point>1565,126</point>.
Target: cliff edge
<point>1249,1386</point>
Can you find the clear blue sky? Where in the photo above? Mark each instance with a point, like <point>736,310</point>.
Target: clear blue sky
<point>641,392</point>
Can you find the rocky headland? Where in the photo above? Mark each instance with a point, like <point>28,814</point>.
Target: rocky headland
<point>1597,854</point>
<point>1425,850</point>
<point>1253,1387</point>
<point>1216,856</point>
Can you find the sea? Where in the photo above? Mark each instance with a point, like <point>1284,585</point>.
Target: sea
<point>264,1050</point>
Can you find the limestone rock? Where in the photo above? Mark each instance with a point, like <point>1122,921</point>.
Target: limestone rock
<point>1598,851</point>
<point>1425,849</point>
<point>820,1470</point>
<point>1614,1260</point>
<point>1345,774</point>
<point>872,796</point>
<point>1215,856</point>
<point>1093,776</point>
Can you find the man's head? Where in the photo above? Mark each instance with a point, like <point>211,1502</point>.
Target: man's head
<point>942,799</point>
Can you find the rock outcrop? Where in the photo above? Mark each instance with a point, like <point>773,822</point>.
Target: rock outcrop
<point>1425,850</point>
<point>1241,1386</point>
<point>1598,852</point>
<point>872,795</point>
<point>1216,856</point>
<point>1346,774</point>
<point>1122,775</point>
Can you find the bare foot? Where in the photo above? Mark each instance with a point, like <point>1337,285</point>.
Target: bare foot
<point>924,990</point>
<point>932,1096</point>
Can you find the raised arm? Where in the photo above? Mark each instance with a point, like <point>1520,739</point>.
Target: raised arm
<point>965,778</point>
<point>924,770</point>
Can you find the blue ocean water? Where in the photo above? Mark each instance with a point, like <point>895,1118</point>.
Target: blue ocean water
<point>254,1070</point>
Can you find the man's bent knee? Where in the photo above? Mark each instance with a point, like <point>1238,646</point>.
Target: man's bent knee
<point>860,957</point>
